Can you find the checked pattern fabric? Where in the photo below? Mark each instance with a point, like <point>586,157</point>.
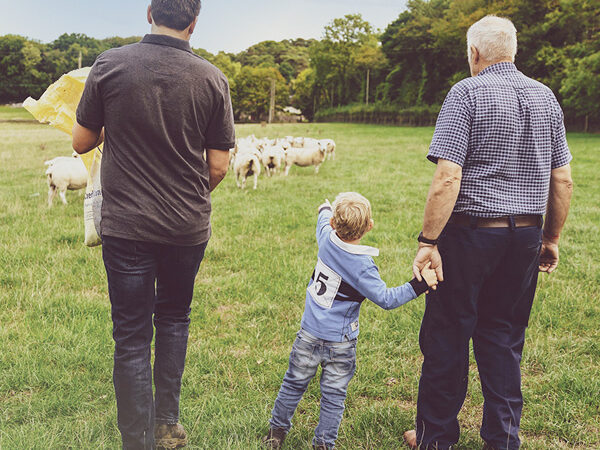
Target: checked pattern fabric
<point>507,132</point>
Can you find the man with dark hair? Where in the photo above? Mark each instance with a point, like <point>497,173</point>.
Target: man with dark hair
<point>175,14</point>
<point>166,119</point>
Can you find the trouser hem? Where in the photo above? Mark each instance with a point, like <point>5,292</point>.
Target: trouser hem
<point>167,421</point>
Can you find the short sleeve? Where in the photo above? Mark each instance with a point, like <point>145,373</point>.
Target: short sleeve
<point>452,130</point>
<point>561,156</point>
<point>90,111</point>
<point>220,134</point>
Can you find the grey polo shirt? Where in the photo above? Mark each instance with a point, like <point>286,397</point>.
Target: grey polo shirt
<point>161,106</point>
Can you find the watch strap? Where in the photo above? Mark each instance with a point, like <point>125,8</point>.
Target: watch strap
<point>423,239</point>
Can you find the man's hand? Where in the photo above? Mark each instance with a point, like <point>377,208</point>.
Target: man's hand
<point>428,254</point>
<point>429,276</point>
<point>548,256</point>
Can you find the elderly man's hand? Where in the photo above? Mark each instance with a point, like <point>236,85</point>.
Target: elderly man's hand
<point>548,256</point>
<point>428,253</point>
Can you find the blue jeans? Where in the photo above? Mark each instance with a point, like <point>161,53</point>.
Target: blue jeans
<point>490,277</point>
<point>338,362</point>
<point>148,282</point>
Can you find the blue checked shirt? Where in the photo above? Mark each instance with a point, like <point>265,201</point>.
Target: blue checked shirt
<point>507,132</point>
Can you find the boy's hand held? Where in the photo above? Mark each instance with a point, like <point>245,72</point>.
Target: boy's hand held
<point>429,276</point>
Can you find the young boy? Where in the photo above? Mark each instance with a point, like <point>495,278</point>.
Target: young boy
<point>344,275</point>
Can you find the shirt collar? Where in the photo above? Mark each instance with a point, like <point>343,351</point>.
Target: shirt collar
<point>169,41</point>
<point>353,248</point>
<point>501,67</point>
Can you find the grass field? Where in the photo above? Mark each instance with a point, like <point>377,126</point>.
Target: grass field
<point>55,330</point>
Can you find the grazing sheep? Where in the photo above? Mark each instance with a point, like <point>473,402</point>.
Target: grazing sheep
<point>232,153</point>
<point>297,142</point>
<point>329,145</point>
<point>246,164</point>
<point>65,173</point>
<point>284,142</point>
<point>272,158</point>
<point>303,157</point>
<point>58,159</point>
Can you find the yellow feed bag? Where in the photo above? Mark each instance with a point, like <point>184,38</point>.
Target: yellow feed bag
<point>57,106</point>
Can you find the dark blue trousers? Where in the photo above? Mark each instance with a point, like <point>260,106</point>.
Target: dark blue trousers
<point>148,282</point>
<point>490,276</point>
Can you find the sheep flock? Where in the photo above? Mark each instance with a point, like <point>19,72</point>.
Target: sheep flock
<point>251,153</point>
<point>246,160</point>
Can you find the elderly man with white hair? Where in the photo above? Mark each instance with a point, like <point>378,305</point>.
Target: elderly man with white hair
<point>502,163</point>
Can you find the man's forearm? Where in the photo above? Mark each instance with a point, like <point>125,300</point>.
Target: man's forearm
<point>559,201</point>
<point>85,139</point>
<point>214,178</point>
<point>218,163</point>
<point>441,198</point>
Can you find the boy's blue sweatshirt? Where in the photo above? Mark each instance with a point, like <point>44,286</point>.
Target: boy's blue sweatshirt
<point>344,275</point>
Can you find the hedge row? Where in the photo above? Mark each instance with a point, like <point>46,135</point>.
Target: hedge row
<point>417,116</point>
<point>380,114</point>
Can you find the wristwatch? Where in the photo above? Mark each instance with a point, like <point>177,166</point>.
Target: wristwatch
<point>423,239</point>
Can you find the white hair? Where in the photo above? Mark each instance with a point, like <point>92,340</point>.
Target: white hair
<point>494,37</point>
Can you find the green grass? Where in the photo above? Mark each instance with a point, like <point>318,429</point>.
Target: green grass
<point>55,330</point>
<point>10,113</point>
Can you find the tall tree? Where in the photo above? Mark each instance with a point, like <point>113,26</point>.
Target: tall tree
<point>252,92</point>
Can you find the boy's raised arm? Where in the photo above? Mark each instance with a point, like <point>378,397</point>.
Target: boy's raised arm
<point>375,289</point>
<point>325,213</point>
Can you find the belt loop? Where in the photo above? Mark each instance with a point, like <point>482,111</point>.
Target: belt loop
<point>541,221</point>
<point>511,222</point>
<point>473,222</point>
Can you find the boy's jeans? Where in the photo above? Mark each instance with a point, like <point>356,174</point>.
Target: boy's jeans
<point>338,362</point>
<point>148,282</point>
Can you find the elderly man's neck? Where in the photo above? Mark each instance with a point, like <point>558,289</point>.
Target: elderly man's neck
<point>485,64</point>
<point>183,34</point>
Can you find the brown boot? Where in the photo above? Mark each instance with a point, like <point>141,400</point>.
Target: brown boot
<point>487,446</point>
<point>410,437</point>
<point>320,447</point>
<point>274,438</point>
<point>169,436</point>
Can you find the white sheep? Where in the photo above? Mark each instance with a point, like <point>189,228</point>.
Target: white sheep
<point>246,163</point>
<point>58,159</point>
<point>272,158</point>
<point>298,142</point>
<point>304,157</point>
<point>329,145</point>
<point>65,173</point>
<point>285,142</point>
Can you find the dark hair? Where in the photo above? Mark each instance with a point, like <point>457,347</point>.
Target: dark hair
<point>175,14</point>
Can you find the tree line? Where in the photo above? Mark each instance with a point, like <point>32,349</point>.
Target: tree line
<point>358,71</point>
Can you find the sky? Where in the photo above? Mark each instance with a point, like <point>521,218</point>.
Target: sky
<point>228,25</point>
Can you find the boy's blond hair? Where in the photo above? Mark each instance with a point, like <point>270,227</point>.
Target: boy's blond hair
<point>351,215</point>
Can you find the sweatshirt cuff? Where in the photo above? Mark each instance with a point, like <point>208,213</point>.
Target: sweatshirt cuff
<point>419,286</point>
<point>323,208</point>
